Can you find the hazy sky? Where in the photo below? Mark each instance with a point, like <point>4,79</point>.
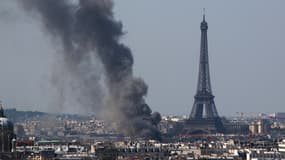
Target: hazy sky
<point>246,49</point>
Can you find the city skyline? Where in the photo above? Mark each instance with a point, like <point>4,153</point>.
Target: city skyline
<point>245,50</point>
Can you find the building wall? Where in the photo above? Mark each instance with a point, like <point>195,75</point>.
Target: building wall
<point>259,127</point>
<point>6,136</point>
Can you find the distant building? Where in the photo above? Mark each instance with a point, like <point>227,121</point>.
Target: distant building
<point>42,155</point>
<point>281,147</point>
<point>236,127</point>
<point>7,138</point>
<point>6,132</point>
<point>259,127</point>
<point>278,115</point>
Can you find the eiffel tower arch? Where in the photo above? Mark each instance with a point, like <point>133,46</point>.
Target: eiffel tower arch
<point>204,117</point>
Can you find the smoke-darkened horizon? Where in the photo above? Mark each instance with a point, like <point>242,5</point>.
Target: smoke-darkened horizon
<point>95,68</point>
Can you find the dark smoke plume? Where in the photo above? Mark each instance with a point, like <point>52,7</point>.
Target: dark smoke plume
<point>87,32</point>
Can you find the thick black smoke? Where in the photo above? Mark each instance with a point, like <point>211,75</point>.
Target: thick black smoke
<point>86,30</point>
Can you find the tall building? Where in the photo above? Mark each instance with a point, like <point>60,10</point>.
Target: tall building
<point>204,116</point>
<point>6,132</point>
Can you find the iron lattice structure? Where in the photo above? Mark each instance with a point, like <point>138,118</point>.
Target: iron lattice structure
<point>204,117</point>
<point>204,105</point>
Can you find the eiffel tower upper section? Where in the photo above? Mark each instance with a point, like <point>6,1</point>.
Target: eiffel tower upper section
<point>204,83</point>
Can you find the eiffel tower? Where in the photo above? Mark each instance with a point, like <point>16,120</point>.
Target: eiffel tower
<point>204,116</point>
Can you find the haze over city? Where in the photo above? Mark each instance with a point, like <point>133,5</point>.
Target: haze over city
<point>246,50</point>
<point>125,80</point>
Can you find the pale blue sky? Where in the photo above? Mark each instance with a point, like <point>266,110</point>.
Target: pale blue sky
<point>246,49</point>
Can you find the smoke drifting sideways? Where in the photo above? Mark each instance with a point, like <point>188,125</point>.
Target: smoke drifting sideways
<point>88,34</point>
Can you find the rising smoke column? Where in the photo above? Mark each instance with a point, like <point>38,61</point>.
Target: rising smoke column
<point>86,30</point>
